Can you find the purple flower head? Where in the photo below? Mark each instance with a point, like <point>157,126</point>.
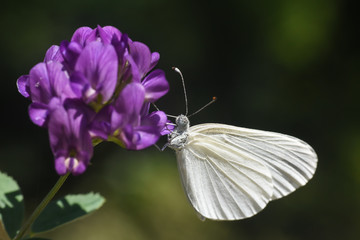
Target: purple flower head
<point>96,87</point>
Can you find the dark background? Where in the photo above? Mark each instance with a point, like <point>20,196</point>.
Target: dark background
<point>286,66</point>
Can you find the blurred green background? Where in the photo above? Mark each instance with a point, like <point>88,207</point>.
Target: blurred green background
<point>286,66</point>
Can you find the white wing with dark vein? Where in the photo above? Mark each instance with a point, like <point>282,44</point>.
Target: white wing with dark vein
<point>223,181</point>
<point>291,161</point>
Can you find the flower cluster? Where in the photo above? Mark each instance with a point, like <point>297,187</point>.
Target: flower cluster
<point>96,87</point>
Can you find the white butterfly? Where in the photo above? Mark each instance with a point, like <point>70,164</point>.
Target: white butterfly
<point>231,173</point>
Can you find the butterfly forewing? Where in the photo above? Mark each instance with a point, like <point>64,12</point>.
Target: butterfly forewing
<point>222,181</point>
<point>291,161</point>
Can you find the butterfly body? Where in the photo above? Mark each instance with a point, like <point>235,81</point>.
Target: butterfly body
<point>177,139</point>
<point>231,173</point>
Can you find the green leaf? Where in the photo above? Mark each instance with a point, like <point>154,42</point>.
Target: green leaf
<point>67,209</point>
<point>11,204</point>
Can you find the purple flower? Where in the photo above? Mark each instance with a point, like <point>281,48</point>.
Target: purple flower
<point>95,75</point>
<point>70,140</point>
<point>143,61</point>
<point>45,82</point>
<point>96,87</point>
<point>48,80</point>
<point>149,130</point>
<point>142,58</point>
<point>130,124</point>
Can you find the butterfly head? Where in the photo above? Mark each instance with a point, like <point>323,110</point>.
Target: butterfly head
<point>178,137</point>
<point>182,123</point>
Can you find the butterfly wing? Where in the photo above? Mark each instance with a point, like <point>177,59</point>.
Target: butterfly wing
<point>291,161</point>
<point>222,181</point>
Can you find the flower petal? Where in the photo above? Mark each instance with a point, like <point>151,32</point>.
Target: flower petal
<point>48,80</point>
<point>100,126</point>
<point>121,46</point>
<point>131,72</point>
<point>81,165</point>
<point>155,57</point>
<point>70,52</point>
<point>60,166</point>
<point>99,64</point>
<point>59,81</point>
<point>129,138</point>
<point>144,138</point>
<point>169,127</point>
<point>79,84</point>
<point>142,57</point>
<point>130,101</point>
<point>23,85</point>
<point>117,121</point>
<point>107,33</point>
<point>39,84</point>
<point>156,120</point>
<point>53,54</point>
<point>148,133</point>
<point>81,34</point>
<point>145,109</point>
<point>155,85</point>
<point>69,139</point>
<point>60,130</point>
<point>38,113</point>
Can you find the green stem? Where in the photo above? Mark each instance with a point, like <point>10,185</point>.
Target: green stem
<point>41,206</point>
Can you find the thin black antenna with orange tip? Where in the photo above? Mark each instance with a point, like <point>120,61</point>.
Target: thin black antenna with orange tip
<point>183,83</point>
<point>206,105</point>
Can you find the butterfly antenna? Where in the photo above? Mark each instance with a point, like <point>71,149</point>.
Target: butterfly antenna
<point>156,107</point>
<point>183,83</point>
<point>206,105</point>
<point>168,115</point>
